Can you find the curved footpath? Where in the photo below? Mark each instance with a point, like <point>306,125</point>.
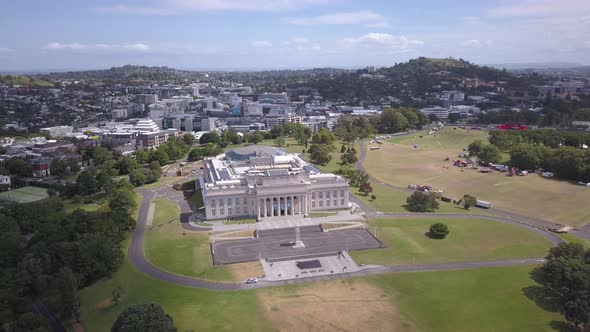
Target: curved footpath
<point>137,256</point>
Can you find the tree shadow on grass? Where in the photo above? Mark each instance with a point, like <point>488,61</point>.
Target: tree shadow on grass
<point>545,301</point>
<point>433,237</point>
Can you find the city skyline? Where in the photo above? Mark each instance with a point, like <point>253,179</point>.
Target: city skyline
<point>263,34</point>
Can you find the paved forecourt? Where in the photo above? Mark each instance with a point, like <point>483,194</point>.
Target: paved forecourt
<point>276,243</point>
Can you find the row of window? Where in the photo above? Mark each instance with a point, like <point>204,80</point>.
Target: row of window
<point>237,211</point>
<point>321,203</point>
<point>230,201</point>
<point>327,194</point>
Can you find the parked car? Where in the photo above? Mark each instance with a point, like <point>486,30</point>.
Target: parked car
<point>252,280</point>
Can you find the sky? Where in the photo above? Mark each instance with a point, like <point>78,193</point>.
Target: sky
<point>277,34</point>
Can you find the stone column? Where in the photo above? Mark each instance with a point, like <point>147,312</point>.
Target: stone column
<point>258,214</point>
<point>292,208</point>
<point>264,200</point>
<point>299,203</point>
<point>305,204</point>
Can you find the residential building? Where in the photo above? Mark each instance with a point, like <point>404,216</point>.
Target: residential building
<point>58,131</point>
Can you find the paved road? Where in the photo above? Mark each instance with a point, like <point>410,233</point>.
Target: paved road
<point>136,253</point>
<point>584,232</point>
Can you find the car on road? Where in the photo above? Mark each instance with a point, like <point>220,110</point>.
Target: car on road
<point>252,280</point>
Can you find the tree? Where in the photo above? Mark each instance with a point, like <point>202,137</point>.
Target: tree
<point>277,131</point>
<point>421,201</point>
<point>116,294</point>
<point>30,322</point>
<point>188,139</point>
<point>324,137</point>
<point>475,147</point>
<point>524,156</point>
<point>256,137</point>
<point>468,201</point>
<point>19,167</point>
<point>438,231</point>
<point>432,118</point>
<point>141,156</point>
<point>122,199</point>
<point>67,284</point>
<point>490,153</point>
<point>373,197</point>
<point>86,183</point>
<point>343,148</point>
<point>210,137</point>
<point>349,157</point>
<point>126,165</point>
<point>454,117</point>
<point>320,154</point>
<point>280,141</point>
<point>366,188</point>
<point>160,156</point>
<point>149,317</point>
<point>565,279</point>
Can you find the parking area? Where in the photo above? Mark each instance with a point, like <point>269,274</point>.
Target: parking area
<point>276,243</point>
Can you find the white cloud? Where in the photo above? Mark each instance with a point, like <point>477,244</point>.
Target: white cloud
<point>541,8</point>
<point>383,41</point>
<point>302,44</point>
<point>6,50</point>
<point>368,18</point>
<point>470,43</point>
<point>261,43</point>
<point>134,47</point>
<point>169,7</point>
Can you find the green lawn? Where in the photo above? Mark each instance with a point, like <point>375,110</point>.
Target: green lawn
<point>26,194</point>
<point>483,300</point>
<point>574,239</point>
<point>448,138</point>
<point>469,240</point>
<point>240,221</point>
<point>192,309</point>
<point>165,211</point>
<point>173,249</point>
<point>196,200</point>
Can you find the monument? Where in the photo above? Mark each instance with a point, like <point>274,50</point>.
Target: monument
<point>297,243</point>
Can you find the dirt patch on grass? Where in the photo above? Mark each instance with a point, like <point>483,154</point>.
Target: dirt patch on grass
<point>333,306</point>
<point>106,303</point>
<point>243,271</point>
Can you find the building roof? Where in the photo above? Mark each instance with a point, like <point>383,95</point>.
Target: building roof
<point>244,153</point>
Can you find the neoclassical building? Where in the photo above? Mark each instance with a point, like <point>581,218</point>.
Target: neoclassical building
<point>265,182</point>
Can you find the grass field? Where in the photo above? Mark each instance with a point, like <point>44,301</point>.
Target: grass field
<point>469,240</point>
<point>192,309</point>
<point>173,249</point>
<point>574,239</point>
<point>483,300</point>
<point>27,194</point>
<point>530,195</point>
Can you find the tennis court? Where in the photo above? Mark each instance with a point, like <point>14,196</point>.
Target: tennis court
<point>23,195</point>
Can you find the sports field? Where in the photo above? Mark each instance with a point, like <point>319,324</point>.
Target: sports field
<point>400,163</point>
<point>23,195</point>
<point>469,240</point>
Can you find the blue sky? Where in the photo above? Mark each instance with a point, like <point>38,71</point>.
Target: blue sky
<point>254,34</point>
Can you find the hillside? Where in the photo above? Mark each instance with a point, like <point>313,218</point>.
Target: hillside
<point>129,72</point>
<point>13,80</point>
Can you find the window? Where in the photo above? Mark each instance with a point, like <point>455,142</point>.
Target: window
<point>341,192</point>
<point>229,201</point>
<point>335,202</point>
<point>342,201</point>
<point>237,201</point>
<point>212,203</point>
<point>327,194</point>
<point>313,204</point>
<point>245,200</point>
<point>221,202</point>
<point>313,194</point>
<point>327,202</point>
<point>221,211</point>
<point>237,210</point>
<point>335,194</point>
<point>213,212</point>
<point>321,203</point>
<point>229,211</point>
<point>321,194</point>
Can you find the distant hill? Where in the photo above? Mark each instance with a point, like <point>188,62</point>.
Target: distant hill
<point>13,80</point>
<point>126,72</point>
